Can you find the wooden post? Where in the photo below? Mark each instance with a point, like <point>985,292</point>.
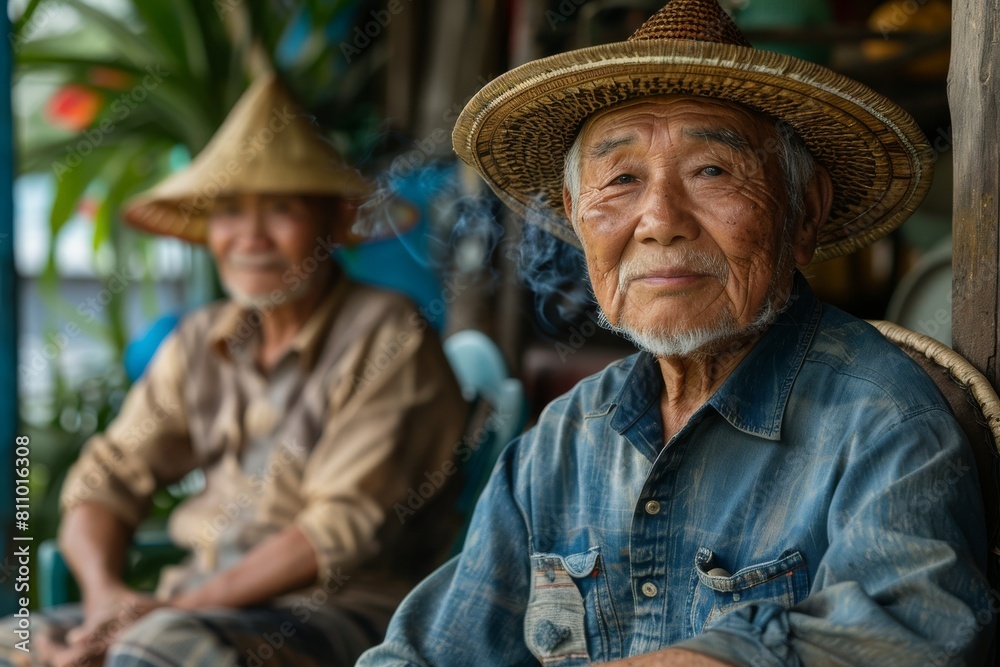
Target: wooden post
<point>9,424</point>
<point>974,99</point>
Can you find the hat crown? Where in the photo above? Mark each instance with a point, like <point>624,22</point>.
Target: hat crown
<point>266,145</point>
<point>694,20</point>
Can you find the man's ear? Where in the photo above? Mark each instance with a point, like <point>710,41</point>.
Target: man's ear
<point>568,207</point>
<point>343,215</point>
<point>818,199</point>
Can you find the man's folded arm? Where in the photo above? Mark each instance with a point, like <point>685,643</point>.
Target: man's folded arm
<point>107,491</point>
<point>145,447</point>
<point>902,582</point>
<point>384,431</point>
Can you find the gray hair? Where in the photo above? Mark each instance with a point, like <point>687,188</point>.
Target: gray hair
<point>797,166</point>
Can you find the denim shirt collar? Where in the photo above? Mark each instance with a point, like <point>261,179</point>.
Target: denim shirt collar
<point>752,399</point>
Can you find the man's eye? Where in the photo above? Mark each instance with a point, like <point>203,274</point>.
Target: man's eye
<point>226,210</point>
<point>624,179</point>
<point>713,171</point>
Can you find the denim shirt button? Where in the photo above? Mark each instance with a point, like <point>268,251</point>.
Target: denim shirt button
<point>652,507</point>
<point>649,589</point>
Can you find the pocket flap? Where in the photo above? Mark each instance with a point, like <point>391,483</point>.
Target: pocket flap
<point>748,577</point>
<point>555,619</point>
<point>582,564</point>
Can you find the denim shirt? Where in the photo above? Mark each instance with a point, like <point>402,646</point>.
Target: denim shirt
<point>822,507</point>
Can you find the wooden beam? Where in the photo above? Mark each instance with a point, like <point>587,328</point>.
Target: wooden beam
<point>974,99</point>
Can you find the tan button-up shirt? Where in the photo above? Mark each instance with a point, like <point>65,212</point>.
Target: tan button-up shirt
<point>361,410</point>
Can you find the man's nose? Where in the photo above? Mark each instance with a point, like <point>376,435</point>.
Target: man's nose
<point>666,216</point>
<point>256,228</point>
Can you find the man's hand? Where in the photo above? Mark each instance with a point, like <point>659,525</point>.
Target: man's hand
<point>671,657</point>
<point>107,613</point>
<point>55,653</point>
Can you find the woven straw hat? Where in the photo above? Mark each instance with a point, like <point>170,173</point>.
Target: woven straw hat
<point>266,145</point>
<point>516,131</point>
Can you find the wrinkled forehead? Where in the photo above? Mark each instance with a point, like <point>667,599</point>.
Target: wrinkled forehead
<point>710,113</point>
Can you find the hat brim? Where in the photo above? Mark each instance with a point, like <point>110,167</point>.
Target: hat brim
<point>185,217</point>
<point>516,130</point>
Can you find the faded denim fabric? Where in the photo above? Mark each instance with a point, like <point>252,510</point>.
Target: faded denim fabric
<point>822,508</point>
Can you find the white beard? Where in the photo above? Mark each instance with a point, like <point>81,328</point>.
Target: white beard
<point>661,343</point>
<point>266,302</point>
<point>686,343</point>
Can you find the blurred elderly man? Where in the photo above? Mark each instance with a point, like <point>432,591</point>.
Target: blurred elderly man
<point>752,488</point>
<point>298,558</point>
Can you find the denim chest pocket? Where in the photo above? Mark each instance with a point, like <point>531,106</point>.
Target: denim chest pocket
<point>783,581</point>
<point>555,622</point>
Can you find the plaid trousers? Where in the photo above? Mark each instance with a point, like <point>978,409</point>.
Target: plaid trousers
<point>254,637</point>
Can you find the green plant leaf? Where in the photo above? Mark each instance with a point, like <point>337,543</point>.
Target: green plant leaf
<point>39,57</point>
<point>131,45</point>
<point>25,18</point>
<point>162,30</point>
<point>124,177</point>
<point>72,179</point>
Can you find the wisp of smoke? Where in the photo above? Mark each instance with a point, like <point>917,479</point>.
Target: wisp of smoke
<point>555,271</point>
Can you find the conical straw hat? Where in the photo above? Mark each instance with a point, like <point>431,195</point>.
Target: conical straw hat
<point>516,131</point>
<point>266,145</point>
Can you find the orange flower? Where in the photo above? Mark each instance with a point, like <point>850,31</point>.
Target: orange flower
<point>73,107</point>
<point>105,77</point>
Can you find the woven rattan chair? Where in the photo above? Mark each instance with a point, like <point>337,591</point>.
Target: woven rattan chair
<point>977,408</point>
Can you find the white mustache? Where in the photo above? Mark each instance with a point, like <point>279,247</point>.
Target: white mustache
<point>680,261</point>
<point>257,260</point>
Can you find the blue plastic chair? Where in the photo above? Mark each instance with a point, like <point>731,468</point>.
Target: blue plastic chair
<point>482,373</point>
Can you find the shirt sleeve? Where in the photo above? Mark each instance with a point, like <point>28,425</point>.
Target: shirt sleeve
<point>144,448</point>
<point>395,418</point>
<point>902,581</point>
<point>471,611</point>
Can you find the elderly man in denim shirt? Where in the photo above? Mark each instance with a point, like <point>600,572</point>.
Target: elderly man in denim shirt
<point>769,482</point>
